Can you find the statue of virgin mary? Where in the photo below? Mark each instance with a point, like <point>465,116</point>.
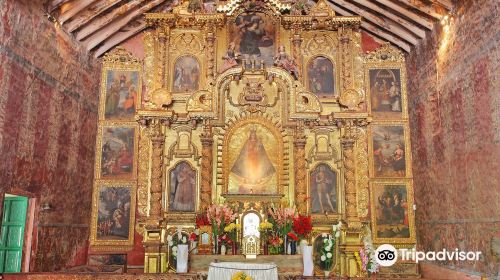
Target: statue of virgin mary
<point>253,168</point>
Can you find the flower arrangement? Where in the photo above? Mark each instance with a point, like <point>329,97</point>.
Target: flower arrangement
<point>327,251</point>
<point>302,226</point>
<point>366,255</point>
<point>282,219</point>
<point>265,229</point>
<point>202,220</point>
<point>173,240</point>
<point>220,216</point>
<point>292,236</point>
<point>241,276</point>
<point>232,230</point>
<point>275,242</point>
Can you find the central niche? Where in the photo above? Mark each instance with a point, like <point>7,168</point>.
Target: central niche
<point>253,158</point>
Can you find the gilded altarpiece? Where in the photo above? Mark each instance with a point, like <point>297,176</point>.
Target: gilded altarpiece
<point>283,116</point>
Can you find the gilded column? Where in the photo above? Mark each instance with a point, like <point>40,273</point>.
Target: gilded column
<point>210,53</point>
<point>206,167</point>
<point>296,43</point>
<point>299,155</point>
<point>350,179</point>
<point>157,141</point>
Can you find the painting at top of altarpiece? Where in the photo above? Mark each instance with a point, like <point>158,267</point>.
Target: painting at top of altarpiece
<point>321,77</point>
<point>392,220</point>
<point>121,92</point>
<point>186,76</point>
<point>323,186</point>
<point>253,161</point>
<point>389,151</point>
<point>182,188</point>
<point>113,218</point>
<point>117,152</point>
<point>254,37</point>
<point>386,93</point>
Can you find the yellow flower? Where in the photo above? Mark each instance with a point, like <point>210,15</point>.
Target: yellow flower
<point>265,226</point>
<point>231,227</point>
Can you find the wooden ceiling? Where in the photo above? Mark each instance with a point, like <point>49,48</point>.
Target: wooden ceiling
<point>102,24</point>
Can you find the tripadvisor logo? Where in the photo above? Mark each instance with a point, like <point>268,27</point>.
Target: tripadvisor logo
<point>387,255</point>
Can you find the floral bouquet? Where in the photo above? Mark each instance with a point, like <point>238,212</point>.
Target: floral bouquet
<point>220,216</point>
<point>275,243</point>
<point>292,236</point>
<point>265,229</point>
<point>174,240</point>
<point>202,220</point>
<point>282,219</point>
<point>241,276</point>
<point>232,230</point>
<point>327,250</point>
<point>302,226</point>
<point>366,255</point>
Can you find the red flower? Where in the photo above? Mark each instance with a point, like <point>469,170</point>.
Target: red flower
<point>293,236</point>
<point>302,225</point>
<point>193,237</point>
<point>202,220</point>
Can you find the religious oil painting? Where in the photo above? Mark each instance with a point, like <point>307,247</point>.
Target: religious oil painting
<point>391,207</point>
<point>122,89</point>
<point>253,161</point>
<point>117,152</point>
<point>107,259</point>
<point>389,151</point>
<point>182,188</point>
<point>321,77</point>
<point>323,186</point>
<point>113,216</point>
<point>186,74</point>
<point>254,37</point>
<point>385,92</point>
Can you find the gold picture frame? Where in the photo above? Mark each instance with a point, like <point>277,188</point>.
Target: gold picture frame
<point>114,146</point>
<point>182,216</point>
<point>205,240</point>
<point>336,76</point>
<point>126,66</point>
<point>389,192</point>
<point>328,217</point>
<point>112,196</point>
<point>382,148</point>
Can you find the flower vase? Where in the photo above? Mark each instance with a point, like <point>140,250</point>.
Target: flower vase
<point>223,249</point>
<point>285,245</point>
<point>303,243</point>
<point>327,273</point>
<point>266,249</point>
<point>307,260</point>
<point>293,247</point>
<point>234,249</point>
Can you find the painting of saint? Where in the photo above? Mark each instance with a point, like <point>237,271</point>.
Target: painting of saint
<point>121,94</point>
<point>253,34</point>
<point>113,217</point>
<point>117,157</point>
<point>186,76</point>
<point>321,77</point>
<point>385,91</point>
<point>389,156</point>
<point>253,161</point>
<point>391,211</point>
<point>323,197</point>
<point>182,188</point>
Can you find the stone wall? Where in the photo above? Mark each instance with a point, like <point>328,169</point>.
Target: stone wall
<point>454,103</point>
<point>48,121</point>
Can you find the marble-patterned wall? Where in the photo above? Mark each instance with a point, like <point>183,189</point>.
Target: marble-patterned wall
<point>454,105</point>
<point>48,121</point>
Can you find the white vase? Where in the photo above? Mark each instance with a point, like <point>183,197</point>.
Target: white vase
<point>182,258</point>
<point>307,258</point>
<point>302,244</point>
<point>223,249</point>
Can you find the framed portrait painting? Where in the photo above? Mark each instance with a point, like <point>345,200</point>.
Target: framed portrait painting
<point>387,91</point>
<point>113,214</point>
<point>182,188</point>
<point>116,157</point>
<point>323,182</point>
<point>254,35</point>
<point>121,86</point>
<point>321,78</point>
<point>390,150</point>
<point>392,212</point>
<point>186,74</point>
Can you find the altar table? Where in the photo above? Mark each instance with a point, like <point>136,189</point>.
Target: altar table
<point>225,270</point>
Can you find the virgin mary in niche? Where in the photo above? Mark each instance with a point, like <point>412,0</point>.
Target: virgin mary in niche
<point>253,170</point>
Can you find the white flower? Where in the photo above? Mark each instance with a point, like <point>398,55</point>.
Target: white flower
<point>184,240</point>
<point>323,235</point>
<point>337,234</point>
<point>340,224</point>
<point>169,238</point>
<point>329,255</point>
<point>323,258</point>
<point>174,254</point>
<point>328,248</point>
<point>334,228</point>
<point>170,243</point>
<point>197,231</point>
<point>174,249</point>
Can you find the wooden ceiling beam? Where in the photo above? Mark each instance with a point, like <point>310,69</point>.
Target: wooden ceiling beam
<point>101,22</point>
<point>445,3</point>
<point>404,23</point>
<point>56,4</point>
<point>374,30</point>
<point>381,22</point>
<point>104,33</point>
<point>117,38</point>
<point>74,9</point>
<point>426,9</point>
<point>411,15</point>
<point>90,14</point>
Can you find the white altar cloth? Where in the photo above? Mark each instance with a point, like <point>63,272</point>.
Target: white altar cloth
<point>258,271</point>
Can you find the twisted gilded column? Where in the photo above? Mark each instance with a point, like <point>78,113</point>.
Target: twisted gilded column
<point>206,167</point>
<point>350,179</point>
<point>296,54</point>
<point>158,142</point>
<point>299,155</point>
